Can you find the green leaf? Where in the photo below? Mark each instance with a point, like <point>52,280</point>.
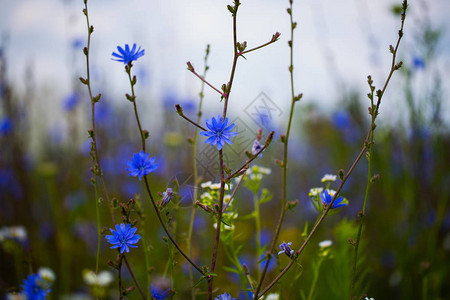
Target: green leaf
<point>232,270</point>
<point>266,196</point>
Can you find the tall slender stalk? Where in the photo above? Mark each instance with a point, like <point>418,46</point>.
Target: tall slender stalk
<point>285,140</point>
<point>367,143</point>
<point>221,164</point>
<point>194,166</point>
<point>225,95</point>
<point>97,170</point>
<point>374,113</point>
<point>257,218</point>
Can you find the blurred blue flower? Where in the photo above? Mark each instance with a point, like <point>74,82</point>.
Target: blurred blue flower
<point>77,43</point>
<point>6,126</point>
<point>341,119</point>
<point>418,62</point>
<point>160,294</point>
<point>124,236</point>
<point>71,101</point>
<point>224,296</point>
<point>141,165</point>
<point>326,199</point>
<point>10,185</point>
<point>286,249</point>
<point>35,288</point>
<point>218,132</point>
<point>128,55</point>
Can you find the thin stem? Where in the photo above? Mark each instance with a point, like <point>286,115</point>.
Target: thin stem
<point>94,152</point>
<point>258,232</point>
<point>316,277</point>
<point>244,165</point>
<point>167,231</point>
<point>235,59</point>
<point>222,173</point>
<point>99,233</point>
<point>324,213</point>
<point>133,96</point>
<point>119,269</point>
<point>194,166</point>
<point>202,78</point>
<point>374,114</point>
<point>134,278</point>
<point>259,47</point>
<point>219,223</point>
<point>285,156</point>
<point>233,193</point>
<point>180,112</point>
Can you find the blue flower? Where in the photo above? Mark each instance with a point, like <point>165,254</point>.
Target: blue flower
<point>218,132</point>
<point>141,165</point>
<point>124,237</point>
<point>224,296</point>
<point>418,62</point>
<point>71,101</point>
<point>6,126</point>
<point>127,55</point>
<point>35,288</point>
<point>326,199</point>
<point>286,249</point>
<point>167,196</point>
<point>256,147</point>
<point>160,294</point>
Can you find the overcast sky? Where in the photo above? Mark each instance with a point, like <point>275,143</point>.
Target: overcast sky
<point>337,44</point>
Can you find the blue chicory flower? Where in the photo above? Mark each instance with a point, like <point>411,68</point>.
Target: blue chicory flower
<point>326,199</point>
<point>128,55</point>
<point>224,296</point>
<point>35,287</point>
<point>141,165</point>
<point>160,294</point>
<point>124,237</point>
<point>218,132</point>
<point>286,249</point>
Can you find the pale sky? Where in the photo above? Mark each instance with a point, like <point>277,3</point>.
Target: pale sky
<point>344,40</point>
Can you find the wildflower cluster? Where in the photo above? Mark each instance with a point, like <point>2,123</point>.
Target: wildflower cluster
<point>254,176</point>
<point>209,199</point>
<point>322,197</point>
<point>15,233</point>
<point>98,282</point>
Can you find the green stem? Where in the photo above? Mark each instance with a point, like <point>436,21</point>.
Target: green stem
<point>374,114</point>
<point>258,232</point>
<point>316,277</point>
<point>194,166</point>
<point>285,158</point>
<point>99,234</point>
<point>95,157</point>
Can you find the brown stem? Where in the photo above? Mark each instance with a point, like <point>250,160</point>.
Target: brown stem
<point>299,251</point>
<point>134,278</point>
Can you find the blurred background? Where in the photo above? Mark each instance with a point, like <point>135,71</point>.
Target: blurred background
<point>45,111</point>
